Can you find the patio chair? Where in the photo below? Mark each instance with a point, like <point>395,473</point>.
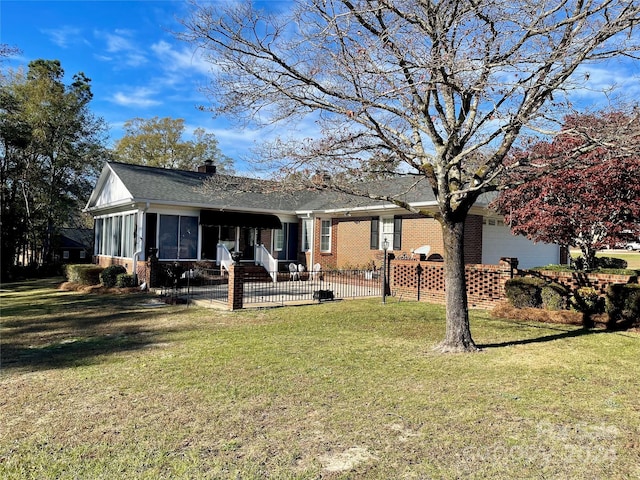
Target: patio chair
<point>316,271</point>
<point>293,272</point>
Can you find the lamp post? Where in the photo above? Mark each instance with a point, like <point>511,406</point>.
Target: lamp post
<point>385,245</point>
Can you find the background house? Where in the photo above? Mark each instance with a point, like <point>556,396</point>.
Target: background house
<point>73,245</point>
<point>203,216</point>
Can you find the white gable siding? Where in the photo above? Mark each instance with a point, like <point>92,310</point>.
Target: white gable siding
<point>497,242</point>
<point>112,192</point>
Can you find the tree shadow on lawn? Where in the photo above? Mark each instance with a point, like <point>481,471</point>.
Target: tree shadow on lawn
<point>54,329</point>
<point>578,332</point>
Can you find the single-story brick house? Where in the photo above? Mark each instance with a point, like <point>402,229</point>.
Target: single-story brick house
<point>189,216</point>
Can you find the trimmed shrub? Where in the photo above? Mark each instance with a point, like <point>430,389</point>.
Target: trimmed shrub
<point>524,292</point>
<point>110,274</point>
<point>553,268</point>
<point>587,300</point>
<point>554,296</point>
<point>611,262</point>
<point>124,280</point>
<point>84,274</point>
<point>623,305</point>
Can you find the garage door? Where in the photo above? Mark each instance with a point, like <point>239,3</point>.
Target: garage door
<point>497,242</point>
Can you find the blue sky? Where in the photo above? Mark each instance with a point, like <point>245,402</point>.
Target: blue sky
<point>137,66</point>
<point>139,69</point>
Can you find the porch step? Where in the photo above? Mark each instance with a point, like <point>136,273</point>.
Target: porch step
<point>256,273</point>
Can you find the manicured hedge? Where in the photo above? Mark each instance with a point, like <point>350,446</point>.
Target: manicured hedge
<point>125,280</point>
<point>523,292</point>
<point>623,305</point>
<point>554,296</point>
<point>84,274</point>
<point>110,274</point>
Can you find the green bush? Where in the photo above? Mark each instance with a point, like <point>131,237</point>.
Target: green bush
<point>84,274</point>
<point>554,296</point>
<point>623,305</point>
<point>524,292</point>
<point>110,274</point>
<point>587,300</point>
<point>611,262</point>
<point>553,268</point>
<point>124,280</point>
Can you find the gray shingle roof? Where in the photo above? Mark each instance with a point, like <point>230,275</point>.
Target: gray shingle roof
<point>213,190</point>
<point>233,192</point>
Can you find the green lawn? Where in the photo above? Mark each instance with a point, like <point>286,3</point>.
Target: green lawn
<point>117,387</point>
<point>632,258</point>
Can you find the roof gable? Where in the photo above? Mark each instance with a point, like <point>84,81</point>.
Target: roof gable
<point>109,190</point>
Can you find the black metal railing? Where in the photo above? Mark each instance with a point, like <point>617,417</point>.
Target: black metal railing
<point>311,286</point>
<point>290,288</point>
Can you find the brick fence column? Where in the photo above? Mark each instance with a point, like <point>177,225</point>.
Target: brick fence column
<point>236,286</point>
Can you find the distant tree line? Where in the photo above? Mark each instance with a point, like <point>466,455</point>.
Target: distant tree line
<point>52,148</point>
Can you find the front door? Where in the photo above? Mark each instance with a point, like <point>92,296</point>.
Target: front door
<point>248,243</point>
<point>210,239</point>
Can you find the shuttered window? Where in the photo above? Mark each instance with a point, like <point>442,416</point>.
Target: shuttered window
<point>397,233</point>
<point>375,234</point>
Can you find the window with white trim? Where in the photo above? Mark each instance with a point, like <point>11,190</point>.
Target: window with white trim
<point>307,234</point>
<point>325,235</point>
<point>115,235</point>
<point>386,231</point>
<point>278,240</point>
<point>386,228</point>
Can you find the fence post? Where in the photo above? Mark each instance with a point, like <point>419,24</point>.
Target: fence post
<point>236,286</point>
<point>509,267</point>
<point>152,268</point>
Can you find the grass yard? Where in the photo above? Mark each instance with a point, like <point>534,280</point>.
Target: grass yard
<point>105,387</point>
<point>632,258</point>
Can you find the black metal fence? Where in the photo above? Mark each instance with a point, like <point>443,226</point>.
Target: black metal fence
<point>260,288</point>
<point>312,286</point>
<point>204,284</point>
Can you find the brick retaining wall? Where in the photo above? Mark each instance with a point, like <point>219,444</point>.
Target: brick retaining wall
<point>574,280</point>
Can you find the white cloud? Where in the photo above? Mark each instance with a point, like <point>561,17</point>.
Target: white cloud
<point>182,59</point>
<point>139,97</point>
<point>609,81</point>
<point>119,41</point>
<point>65,36</point>
<point>121,46</point>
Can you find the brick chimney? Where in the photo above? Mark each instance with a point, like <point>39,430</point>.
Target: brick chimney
<point>208,167</point>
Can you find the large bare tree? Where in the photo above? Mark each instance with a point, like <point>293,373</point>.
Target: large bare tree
<point>440,90</point>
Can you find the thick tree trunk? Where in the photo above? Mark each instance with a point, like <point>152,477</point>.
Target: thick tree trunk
<point>458,333</point>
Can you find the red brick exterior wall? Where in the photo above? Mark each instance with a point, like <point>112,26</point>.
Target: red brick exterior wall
<point>328,260</point>
<point>350,240</point>
<point>418,231</point>
<point>473,239</point>
<point>353,247</point>
<point>108,261</point>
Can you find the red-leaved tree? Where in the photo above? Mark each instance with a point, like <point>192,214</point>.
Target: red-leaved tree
<point>590,203</point>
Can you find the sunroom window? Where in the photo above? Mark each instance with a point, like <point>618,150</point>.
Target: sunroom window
<point>178,237</point>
